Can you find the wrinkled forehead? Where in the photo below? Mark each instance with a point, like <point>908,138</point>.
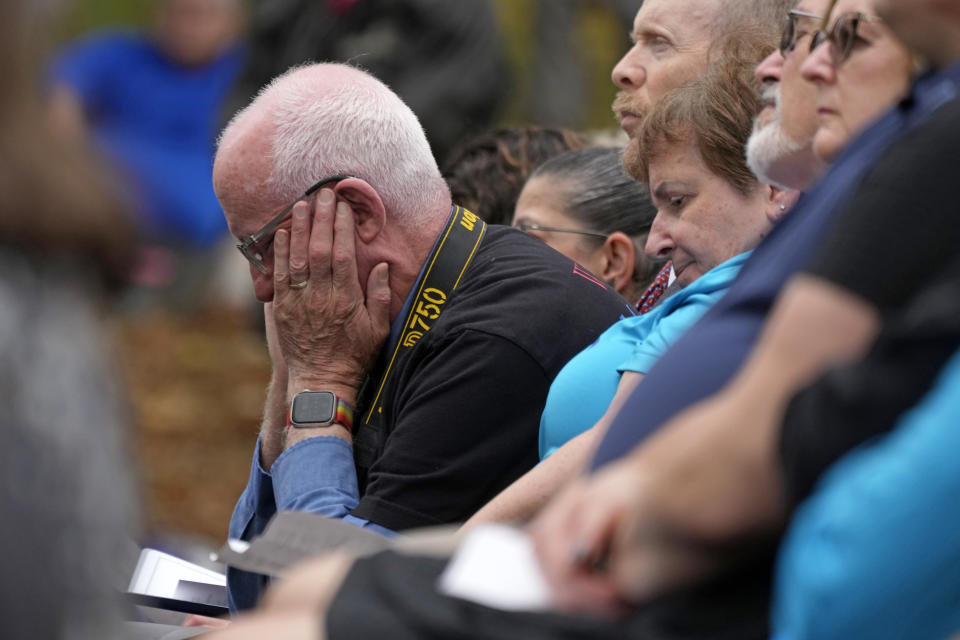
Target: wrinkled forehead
<point>686,20</point>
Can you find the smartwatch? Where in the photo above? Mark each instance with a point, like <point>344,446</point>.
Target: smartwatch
<point>320,409</point>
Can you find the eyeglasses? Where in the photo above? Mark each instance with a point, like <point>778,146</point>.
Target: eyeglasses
<point>251,247</point>
<point>790,35</point>
<point>843,35</point>
<point>530,226</point>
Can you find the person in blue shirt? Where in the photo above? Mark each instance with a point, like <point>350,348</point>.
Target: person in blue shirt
<point>867,464</point>
<point>873,553</point>
<point>152,105</point>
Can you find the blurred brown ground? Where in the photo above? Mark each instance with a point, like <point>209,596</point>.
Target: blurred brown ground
<point>197,386</point>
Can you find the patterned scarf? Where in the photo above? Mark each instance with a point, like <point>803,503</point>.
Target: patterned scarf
<point>653,293</point>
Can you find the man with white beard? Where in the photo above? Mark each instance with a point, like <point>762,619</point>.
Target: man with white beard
<point>779,152</point>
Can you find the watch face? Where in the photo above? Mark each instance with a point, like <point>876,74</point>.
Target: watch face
<point>313,407</point>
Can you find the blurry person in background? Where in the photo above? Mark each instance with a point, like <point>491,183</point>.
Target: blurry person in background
<point>559,73</point>
<point>445,60</point>
<point>151,103</point>
<point>485,173</point>
<point>584,205</point>
<point>67,496</point>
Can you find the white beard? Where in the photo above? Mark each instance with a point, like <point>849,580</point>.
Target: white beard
<point>768,146</point>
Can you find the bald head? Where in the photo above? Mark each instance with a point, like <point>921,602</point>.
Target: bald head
<point>324,120</point>
<point>330,119</point>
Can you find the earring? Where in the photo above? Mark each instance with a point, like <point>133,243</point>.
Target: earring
<point>783,207</point>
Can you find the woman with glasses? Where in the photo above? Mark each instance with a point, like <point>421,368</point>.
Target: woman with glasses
<point>583,204</point>
<point>860,69</point>
<point>711,211</point>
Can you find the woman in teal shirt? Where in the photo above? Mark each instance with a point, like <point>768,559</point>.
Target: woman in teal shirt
<point>711,211</point>
<point>584,388</point>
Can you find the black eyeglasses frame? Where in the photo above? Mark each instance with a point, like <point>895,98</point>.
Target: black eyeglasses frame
<point>843,35</point>
<point>789,36</point>
<point>533,226</point>
<point>249,246</point>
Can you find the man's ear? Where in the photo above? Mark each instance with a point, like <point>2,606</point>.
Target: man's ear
<point>619,254</point>
<point>779,201</point>
<point>368,208</point>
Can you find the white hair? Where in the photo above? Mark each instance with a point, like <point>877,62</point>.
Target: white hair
<point>770,145</point>
<point>354,125</point>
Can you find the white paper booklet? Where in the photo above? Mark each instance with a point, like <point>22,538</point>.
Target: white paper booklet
<point>164,576</point>
<point>495,566</point>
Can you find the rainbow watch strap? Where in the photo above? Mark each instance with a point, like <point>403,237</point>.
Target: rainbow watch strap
<point>344,415</point>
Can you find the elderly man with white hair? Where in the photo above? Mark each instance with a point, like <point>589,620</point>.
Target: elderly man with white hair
<point>401,328</point>
<point>780,151</point>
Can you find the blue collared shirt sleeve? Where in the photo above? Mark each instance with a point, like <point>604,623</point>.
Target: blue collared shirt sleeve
<point>316,475</point>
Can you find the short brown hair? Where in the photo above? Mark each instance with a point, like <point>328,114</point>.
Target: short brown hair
<point>715,112</point>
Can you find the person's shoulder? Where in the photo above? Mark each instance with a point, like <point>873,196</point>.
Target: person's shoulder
<point>510,259</point>
<point>112,39</point>
<point>103,48</point>
<point>519,289</point>
<point>926,151</point>
<point>934,134</point>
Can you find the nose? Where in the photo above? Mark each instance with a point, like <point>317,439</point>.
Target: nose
<point>818,67</point>
<point>629,73</point>
<point>768,71</point>
<point>660,244</point>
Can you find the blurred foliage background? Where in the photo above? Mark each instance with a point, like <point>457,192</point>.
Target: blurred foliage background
<point>85,15</point>
<point>600,36</point>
